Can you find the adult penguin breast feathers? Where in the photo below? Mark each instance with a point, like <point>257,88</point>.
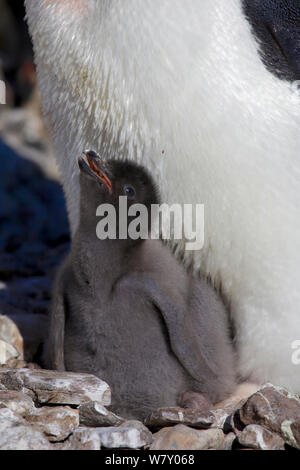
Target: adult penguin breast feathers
<point>184,88</point>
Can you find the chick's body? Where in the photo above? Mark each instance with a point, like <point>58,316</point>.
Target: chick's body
<point>128,312</point>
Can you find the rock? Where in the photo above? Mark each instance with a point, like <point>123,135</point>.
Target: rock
<point>16,435</point>
<point>9,418</point>
<point>290,430</point>
<point>275,409</point>
<point>224,410</point>
<point>228,441</point>
<point>131,434</point>
<point>94,414</point>
<point>181,437</point>
<point>175,415</point>
<point>134,423</point>
<point>57,422</point>
<point>81,439</point>
<point>52,387</point>
<point>17,402</point>
<point>157,435</point>
<point>10,333</point>
<point>222,415</point>
<point>7,352</point>
<point>15,363</point>
<point>256,437</point>
<point>221,419</point>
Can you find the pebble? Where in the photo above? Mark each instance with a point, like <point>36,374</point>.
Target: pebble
<point>181,437</point>
<point>94,414</point>
<point>17,402</point>
<point>176,415</point>
<point>81,439</point>
<point>228,442</point>
<point>15,434</point>
<point>10,333</point>
<point>131,435</point>
<point>57,422</point>
<point>7,352</point>
<point>52,387</point>
<point>275,409</point>
<point>256,437</point>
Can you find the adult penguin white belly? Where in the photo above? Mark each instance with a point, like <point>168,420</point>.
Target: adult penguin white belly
<point>181,87</point>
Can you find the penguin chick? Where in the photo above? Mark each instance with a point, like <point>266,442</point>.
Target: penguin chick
<point>128,312</point>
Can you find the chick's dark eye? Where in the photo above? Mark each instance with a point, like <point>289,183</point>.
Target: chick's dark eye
<point>129,191</point>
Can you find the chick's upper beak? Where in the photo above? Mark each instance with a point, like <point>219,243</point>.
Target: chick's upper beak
<point>98,168</point>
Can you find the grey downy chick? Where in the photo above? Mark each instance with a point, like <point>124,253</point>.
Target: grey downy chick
<point>127,311</point>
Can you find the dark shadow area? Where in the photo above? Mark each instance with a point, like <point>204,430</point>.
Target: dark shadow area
<point>16,54</point>
<point>32,212</point>
<point>34,238</point>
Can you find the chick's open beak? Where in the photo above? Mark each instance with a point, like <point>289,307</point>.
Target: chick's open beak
<point>97,167</point>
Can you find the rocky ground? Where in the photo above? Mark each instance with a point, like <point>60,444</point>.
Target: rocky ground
<point>42,409</point>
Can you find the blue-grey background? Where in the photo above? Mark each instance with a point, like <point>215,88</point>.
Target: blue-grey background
<point>34,232</point>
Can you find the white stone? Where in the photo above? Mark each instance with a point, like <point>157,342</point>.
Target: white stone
<point>81,439</point>
<point>15,435</point>
<point>130,436</point>
<point>7,351</point>
<point>64,388</point>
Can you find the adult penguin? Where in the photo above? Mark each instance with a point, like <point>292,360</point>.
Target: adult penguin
<point>202,94</point>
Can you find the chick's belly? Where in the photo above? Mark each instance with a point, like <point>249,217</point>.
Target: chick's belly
<point>129,348</point>
<point>139,349</point>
